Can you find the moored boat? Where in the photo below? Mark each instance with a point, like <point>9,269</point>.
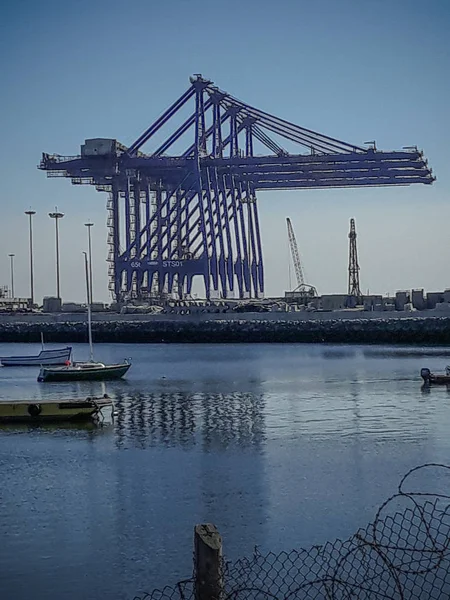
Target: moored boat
<point>430,378</point>
<point>53,410</point>
<point>57,356</point>
<point>88,371</point>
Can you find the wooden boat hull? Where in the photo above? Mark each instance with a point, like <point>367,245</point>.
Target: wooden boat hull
<point>48,412</point>
<point>84,374</point>
<point>55,357</point>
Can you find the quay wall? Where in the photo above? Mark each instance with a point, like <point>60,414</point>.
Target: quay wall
<point>424,328</point>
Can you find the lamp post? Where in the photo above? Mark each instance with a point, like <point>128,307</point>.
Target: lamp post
<point>30,214</point>
<point>11,257</point>
<point>89,225</point>
<point>57,215</point>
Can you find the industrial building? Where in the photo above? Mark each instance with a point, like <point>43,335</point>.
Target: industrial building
<point>410,300</point>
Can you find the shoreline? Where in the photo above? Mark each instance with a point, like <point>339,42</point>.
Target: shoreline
<point>249,328</point>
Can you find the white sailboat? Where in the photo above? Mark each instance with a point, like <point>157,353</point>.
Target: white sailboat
<point>90,370</point>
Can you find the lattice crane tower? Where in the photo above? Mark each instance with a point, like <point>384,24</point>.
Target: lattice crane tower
<point>353,265</point>
<point>194,213</point>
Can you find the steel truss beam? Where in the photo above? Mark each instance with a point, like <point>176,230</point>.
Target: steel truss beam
<point>172,218</point>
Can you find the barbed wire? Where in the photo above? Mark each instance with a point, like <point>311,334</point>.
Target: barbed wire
<point>404,553</point>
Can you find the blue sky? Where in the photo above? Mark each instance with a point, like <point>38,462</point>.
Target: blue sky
<point>355,70</point>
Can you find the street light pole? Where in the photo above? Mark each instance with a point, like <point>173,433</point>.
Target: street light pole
<point>30,214</point>
<point>57,215</point>
<point>89,225</point>
<point>11,256</point>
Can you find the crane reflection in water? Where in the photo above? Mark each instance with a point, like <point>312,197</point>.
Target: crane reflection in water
<point>213,421</point>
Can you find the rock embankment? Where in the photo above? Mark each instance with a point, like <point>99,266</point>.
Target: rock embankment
<point>433,330</point>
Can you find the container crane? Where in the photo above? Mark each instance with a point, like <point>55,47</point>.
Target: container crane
<point>179,215</point>
<point>308,290</point>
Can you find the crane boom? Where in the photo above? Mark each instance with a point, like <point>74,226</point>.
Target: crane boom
<point>301,285</point>
<point>295,254</point>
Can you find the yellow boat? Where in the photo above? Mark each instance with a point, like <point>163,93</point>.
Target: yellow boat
<point>54,410</point>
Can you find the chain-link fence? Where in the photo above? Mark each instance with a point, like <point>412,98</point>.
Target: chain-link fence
<point>404,554</point>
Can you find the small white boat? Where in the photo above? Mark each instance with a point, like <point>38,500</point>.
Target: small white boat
<point>58,356</point>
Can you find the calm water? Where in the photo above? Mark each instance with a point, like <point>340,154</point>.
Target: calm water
<point>278,445</point>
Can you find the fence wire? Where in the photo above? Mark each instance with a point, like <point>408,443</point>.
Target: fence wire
<point>403,554</point>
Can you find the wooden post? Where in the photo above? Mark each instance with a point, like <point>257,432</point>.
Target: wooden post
<point>208,562</point>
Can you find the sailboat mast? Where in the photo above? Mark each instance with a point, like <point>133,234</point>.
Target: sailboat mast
<point>88,299</point>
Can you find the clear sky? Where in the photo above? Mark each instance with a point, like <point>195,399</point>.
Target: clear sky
<point>357,70</point>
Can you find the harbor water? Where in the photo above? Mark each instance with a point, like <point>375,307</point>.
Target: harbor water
<point>281,446</point>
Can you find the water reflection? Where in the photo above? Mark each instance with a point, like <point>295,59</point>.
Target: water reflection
<point>53,427</point>
<point>339,353</point>
<point>399,352</point>
<point>216,421</point>
<point>357,437</point>
<point>20,383</point>
<point>187,458</point>
<point>279,445</point>
<point>426,388</point>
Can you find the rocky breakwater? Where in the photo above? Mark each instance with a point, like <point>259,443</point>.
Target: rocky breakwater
<point>414,330</point>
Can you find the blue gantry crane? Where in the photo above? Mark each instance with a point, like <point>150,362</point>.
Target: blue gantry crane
<point>194,212</point>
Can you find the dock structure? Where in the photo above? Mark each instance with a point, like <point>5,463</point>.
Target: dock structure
<point>187,206</point>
